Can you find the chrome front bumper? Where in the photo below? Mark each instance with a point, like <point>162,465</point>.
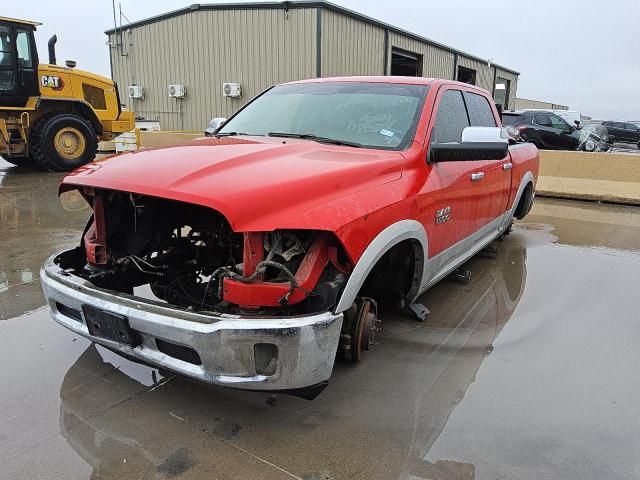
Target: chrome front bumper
<point>303,348</point>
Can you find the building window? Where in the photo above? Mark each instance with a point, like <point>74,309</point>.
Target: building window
<point>466,75</point>
<point>501,92</point>
<point>405,63</point>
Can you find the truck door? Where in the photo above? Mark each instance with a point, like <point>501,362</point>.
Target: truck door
<point>474,192</point>
<point>497,173</point>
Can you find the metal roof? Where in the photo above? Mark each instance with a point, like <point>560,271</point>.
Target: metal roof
<point>288,5</point>
<point>17,20</point>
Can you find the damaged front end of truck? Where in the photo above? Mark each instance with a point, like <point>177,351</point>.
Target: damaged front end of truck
<point>171,284</point>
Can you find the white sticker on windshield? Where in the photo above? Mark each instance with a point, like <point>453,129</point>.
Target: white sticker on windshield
<point>387,133</point>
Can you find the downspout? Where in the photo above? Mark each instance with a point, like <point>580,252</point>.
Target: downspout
<point>385,69</point>
<point>495,77</point>
<point>455,66</point>
<point>318,42</point>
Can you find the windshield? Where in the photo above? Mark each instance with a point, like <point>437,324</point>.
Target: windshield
<point>373,115</point>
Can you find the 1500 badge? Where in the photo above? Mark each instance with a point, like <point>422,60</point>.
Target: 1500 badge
<point>51,81</point>
<point>443,215</point>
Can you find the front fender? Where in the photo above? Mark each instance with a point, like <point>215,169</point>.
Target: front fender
<point>381,244</point>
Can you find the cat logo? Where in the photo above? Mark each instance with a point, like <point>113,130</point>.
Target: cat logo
<point>443,215</point>
<point>51,81</point>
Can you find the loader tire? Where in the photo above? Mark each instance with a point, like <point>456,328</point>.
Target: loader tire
<point>63,142</point>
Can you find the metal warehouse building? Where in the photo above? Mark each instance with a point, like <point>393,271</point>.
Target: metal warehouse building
<point>256,45</point>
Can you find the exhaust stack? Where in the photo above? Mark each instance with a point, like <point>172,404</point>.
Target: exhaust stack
<point>52,49</point>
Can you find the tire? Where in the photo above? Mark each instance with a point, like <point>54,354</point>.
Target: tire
<point>19,161</point>
<point>63,142</point>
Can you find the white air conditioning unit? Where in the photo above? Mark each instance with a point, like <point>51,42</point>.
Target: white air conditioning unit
<point>232,90</point>
<point>136,91</point>
<point>177,91</point>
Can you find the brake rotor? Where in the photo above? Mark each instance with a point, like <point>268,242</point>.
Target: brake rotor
<point>361,328</point>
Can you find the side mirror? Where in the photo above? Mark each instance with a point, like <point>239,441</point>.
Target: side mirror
<point>214,125</point>
<point>477,143</point>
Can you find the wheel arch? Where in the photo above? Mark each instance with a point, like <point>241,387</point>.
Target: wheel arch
<point>528,180</point>
<point>395,234</point>
<point>72,106</point>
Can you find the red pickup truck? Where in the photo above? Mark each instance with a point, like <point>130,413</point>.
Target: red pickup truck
<point>253,257</point>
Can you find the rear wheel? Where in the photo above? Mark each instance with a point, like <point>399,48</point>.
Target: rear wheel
<point>62,142</point>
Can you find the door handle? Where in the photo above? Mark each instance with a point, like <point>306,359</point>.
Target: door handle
<point>477,176</point>
<point>507,166</point>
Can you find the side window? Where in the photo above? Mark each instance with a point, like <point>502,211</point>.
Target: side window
<point>480,114</point>
<point>24,49</point>
<point>451,118</point>
<point>559,123</point>
<point>7,73</point>
<point>542,119</point>
<point>6,56</point>
<point>512,119</point>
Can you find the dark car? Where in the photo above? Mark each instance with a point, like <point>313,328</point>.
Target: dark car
<point>545,130</point>
<point>623,131</point>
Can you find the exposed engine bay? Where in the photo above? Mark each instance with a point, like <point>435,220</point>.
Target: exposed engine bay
<point>189,257</point>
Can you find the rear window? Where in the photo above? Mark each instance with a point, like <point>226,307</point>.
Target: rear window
<point>480,113</point>
<point>511,119</point>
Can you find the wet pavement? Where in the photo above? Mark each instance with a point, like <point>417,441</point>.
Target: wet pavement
<point>529,371</point>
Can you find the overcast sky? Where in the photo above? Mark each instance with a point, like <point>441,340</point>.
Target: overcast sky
<point>582,54</point>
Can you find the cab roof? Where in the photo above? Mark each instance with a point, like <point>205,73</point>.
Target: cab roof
<point>432,82</point>
<point>17,20</point>
<point>370,79</point>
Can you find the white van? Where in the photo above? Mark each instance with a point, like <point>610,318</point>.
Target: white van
<point>571,116</point>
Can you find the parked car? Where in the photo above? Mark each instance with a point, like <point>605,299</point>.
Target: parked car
<point>268,246</point>
<point>544,129</point>
<point>623,131</point>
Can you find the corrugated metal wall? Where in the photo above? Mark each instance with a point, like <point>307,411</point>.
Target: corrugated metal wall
<point>484,73</point>
<point>259,47</point>
<point>350,46</point>
<point>436,62</point>
<point>203,49</point>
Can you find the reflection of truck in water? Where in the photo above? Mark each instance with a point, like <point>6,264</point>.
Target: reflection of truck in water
<point>28,206</point>
<point>430,365</point>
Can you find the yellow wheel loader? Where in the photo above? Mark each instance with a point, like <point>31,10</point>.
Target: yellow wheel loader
<point>51,115</point>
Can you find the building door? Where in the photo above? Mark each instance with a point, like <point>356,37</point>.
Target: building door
<point>405,63</point>
<point>501,93</point>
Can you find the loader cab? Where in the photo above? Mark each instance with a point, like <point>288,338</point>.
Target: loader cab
<point>18,62</point>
